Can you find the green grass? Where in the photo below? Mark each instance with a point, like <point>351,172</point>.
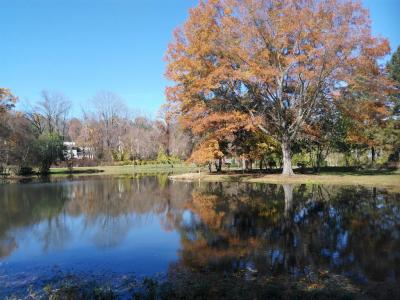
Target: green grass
<point>335,176</point>
<point>386,179</point>
<point>129,169</point>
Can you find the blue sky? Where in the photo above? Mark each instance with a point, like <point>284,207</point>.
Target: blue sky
<point>79,47</point>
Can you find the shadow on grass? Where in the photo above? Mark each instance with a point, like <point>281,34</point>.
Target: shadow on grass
<point>353,171</point>
<point>339,171</point>
<point>77,171</point>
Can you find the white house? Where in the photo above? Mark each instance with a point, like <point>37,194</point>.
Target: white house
<point>73,152</point>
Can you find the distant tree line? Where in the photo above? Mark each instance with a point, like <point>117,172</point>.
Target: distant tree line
<point>107,131</point>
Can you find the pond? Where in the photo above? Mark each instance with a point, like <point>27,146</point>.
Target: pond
<point>110,228</point>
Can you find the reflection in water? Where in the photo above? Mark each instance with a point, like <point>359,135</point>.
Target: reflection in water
<point>108,209</point>
<point>288,191</point>
<point>352,231</point>
<point>263,229</point>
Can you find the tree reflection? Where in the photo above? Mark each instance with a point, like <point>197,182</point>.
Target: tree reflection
<point>304,231</point>
<point>7,246</point>
<point>25,209</point>
<point>288,191</point>
<point>108,208</point>
<point>55,233</point>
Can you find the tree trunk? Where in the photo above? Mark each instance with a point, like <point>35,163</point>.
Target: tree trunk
<point>346,157</point>
<point>318,160</point>
<point>168,134</point>
<point>373,155</point>
<point>44,168</point>
<point>218,165</point>
<point>287,158</point>
<point>288,191</point>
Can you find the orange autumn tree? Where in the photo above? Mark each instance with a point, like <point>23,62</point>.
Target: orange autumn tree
<point>207,152</point>
<point>273,60</point>
<point>215,129</point>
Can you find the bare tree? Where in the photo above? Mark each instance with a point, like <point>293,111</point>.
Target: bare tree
<point>175,140</point>
<point>74,129</point>
<point>50,113</point>
<point>109,110</point>
<point>164,125</point>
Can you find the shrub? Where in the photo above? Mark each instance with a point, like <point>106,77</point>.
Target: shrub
<point>25,171</point>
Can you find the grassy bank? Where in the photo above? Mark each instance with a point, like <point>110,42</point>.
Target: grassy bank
<point>187,172</point>
<point>109,170</point>
<point>129,169</point>
<point>390,180</point>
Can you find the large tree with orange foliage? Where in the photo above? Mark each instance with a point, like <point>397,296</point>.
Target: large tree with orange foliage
<point>272,60</point>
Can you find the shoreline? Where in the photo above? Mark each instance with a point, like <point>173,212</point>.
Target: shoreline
<point>390,181</point>
<point>57,172</point>
<point>182,172</point>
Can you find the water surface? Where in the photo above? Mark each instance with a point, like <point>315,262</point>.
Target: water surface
<point>146,225</point>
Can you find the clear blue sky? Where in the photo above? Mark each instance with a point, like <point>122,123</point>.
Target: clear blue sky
<point>79,47</point>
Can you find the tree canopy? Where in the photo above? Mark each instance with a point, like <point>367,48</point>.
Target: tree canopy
<point>273,63</point>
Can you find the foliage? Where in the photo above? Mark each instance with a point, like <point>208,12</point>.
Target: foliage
<point>393,66</point>
<point>207,152</point>
<point>163,158</point>
<point>108,134</point>
<point>273,62</point>
<point>16,135</point>
<point>392,132</point>
<point>47,149</point>
<point>7,100</point>
<point>255,145</point>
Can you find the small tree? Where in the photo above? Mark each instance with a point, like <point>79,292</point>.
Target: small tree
<point>162,157</point>
<point>206,153</point>
<point>48,148</point>
<point>254,145</point>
